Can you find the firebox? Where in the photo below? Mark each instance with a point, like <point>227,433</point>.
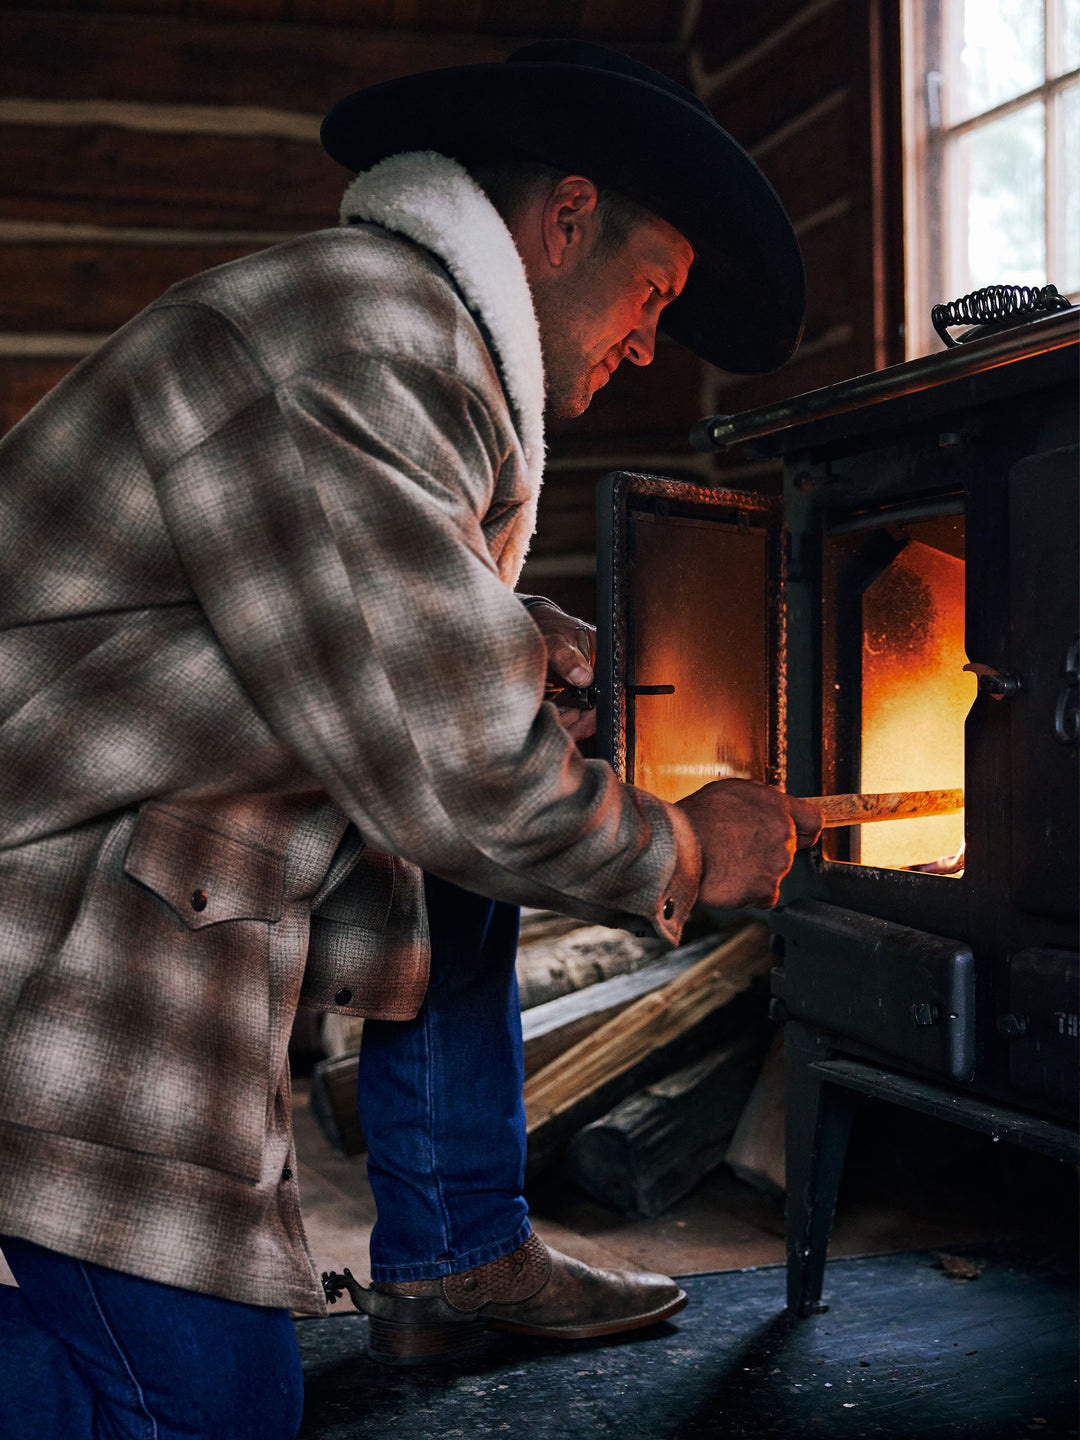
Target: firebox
<point>897,634</point>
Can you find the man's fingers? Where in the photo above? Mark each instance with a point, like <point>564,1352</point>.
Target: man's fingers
<point>568,662</point>
<point>808,821</point>
<point>578,724</point>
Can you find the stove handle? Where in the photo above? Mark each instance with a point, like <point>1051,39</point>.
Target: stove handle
<point>995,683</point>
<point>1067,709</point>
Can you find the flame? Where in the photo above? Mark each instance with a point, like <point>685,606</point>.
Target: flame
<point>915,699</point>
<point>947,865</point>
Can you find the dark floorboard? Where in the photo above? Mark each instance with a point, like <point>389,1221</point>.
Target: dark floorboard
<point>903,1351</point>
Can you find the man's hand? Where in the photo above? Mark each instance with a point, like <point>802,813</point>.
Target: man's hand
<point>749,834</point>
<point>571,646</point>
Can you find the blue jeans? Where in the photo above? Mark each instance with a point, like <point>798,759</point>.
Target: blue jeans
<point>440,1101</point>
<point>87,1352</point>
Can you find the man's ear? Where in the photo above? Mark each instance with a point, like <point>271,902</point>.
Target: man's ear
<point>568,219</point>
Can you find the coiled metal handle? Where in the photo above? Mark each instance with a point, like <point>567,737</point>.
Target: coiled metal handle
<point>996,307</point>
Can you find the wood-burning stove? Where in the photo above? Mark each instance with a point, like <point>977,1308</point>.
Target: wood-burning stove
<point>904,618</point>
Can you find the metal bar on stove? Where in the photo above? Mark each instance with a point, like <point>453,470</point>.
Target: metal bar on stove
<point>716,432</point>
<point>892,805</point>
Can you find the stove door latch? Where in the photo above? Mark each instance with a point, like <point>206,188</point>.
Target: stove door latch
<point>1067,710</point>
<point>995,683</point>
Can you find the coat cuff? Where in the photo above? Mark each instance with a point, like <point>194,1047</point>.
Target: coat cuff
<point>680,889</point>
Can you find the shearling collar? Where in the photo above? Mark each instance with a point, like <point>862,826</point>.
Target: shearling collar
<point>433,200</point>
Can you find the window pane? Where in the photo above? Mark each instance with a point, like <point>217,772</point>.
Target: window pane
<point>1070,35</point>
<point>1002,163</point>
<point>1001,54</point>
<point>1070,108</point>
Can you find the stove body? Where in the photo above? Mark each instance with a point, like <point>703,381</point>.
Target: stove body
<point>928,522</point>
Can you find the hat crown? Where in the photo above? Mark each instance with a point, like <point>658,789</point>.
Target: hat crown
<point>585,54</point>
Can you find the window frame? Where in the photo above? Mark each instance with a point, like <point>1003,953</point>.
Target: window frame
<point>935,207</point>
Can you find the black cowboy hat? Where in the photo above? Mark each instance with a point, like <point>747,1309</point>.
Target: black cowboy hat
<point>597,113</point>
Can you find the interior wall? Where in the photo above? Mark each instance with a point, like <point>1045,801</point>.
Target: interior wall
<point>142,142</point>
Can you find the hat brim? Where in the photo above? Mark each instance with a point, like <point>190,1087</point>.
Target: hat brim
<point>743,305</point>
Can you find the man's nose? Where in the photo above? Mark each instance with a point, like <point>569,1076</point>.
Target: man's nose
<point>640,345</point>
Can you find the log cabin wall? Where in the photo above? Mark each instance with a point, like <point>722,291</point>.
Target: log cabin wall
<point>142,142</point>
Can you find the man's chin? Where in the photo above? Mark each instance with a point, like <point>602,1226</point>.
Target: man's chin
<point>569,404</point>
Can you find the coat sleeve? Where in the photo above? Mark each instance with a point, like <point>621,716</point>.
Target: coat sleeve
<point>332,532</point>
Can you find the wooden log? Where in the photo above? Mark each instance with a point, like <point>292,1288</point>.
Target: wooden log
<point>341,1035</point>
<point>95,287</point>
<point>552,1028</point>
<point>543,924</point>
<point>756,1152</point>
<point>300,67</point>
<point>193,61</point>
<point>333,1104</point>
<point>23,382</point>
<point>586,955</point>
<point>650,1038</point>
<point>890,805</point>
<point>104,175</point>
<point>653,1148</point>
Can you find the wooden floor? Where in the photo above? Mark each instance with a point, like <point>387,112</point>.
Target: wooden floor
<point>909,1184</point>
<point>908,1349</point>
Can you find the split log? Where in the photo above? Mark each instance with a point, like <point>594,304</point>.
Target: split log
<point>710,1002</point>
<point>891,805</point>
<point>756,1152</point>
<point>652,1149</point>
<point>552,1028</point>
<point>333,1103</point>
<point>548,967</point>
<point>341,1034</point>
<point>333,1088</point>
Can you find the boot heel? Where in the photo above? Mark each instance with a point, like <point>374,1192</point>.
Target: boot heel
<point>418,1342</point>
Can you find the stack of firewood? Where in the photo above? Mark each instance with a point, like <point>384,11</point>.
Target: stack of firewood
<point>645,1068</point>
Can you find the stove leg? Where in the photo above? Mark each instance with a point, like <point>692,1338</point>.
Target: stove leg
<point>818,1123</point>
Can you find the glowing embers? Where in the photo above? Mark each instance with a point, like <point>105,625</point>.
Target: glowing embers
<point>900,689</point>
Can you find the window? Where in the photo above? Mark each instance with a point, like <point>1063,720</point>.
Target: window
<point>992,147</point>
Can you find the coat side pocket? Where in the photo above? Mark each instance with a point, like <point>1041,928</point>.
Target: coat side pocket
<point>369,952</point>
<point>148,1030</point>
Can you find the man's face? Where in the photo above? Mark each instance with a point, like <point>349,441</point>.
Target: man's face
<point>605,309</point>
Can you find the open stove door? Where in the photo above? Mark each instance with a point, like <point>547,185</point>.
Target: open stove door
<point>690,639</point>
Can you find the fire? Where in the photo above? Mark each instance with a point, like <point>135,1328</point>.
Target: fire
<point>947,865</point>
<point>915,699</point>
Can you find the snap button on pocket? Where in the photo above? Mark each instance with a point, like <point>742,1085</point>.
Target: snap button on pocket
<point>669,908</point>
<point>177,858</point>
<point>343,996</point>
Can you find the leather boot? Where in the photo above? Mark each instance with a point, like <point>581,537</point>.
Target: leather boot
<point>533,1291</point>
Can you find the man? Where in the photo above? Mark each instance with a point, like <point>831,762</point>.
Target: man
<point>261,662</point>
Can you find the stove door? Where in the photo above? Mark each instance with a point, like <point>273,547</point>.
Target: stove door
<point>690,636</point>
<point>1044,654</point>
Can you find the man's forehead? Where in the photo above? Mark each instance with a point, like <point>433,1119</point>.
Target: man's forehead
<point>660,243</point>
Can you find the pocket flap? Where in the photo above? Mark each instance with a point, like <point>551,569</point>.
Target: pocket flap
<point>203,876</point>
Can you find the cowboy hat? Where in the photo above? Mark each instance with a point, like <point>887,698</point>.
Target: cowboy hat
<point>628,128</point>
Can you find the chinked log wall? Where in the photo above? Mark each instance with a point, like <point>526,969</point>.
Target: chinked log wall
<point>138,148</point>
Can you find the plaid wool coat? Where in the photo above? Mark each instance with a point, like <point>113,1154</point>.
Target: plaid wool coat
<point>260,660</point>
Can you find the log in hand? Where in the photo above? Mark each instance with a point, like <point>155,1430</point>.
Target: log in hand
<point>749,834</point>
